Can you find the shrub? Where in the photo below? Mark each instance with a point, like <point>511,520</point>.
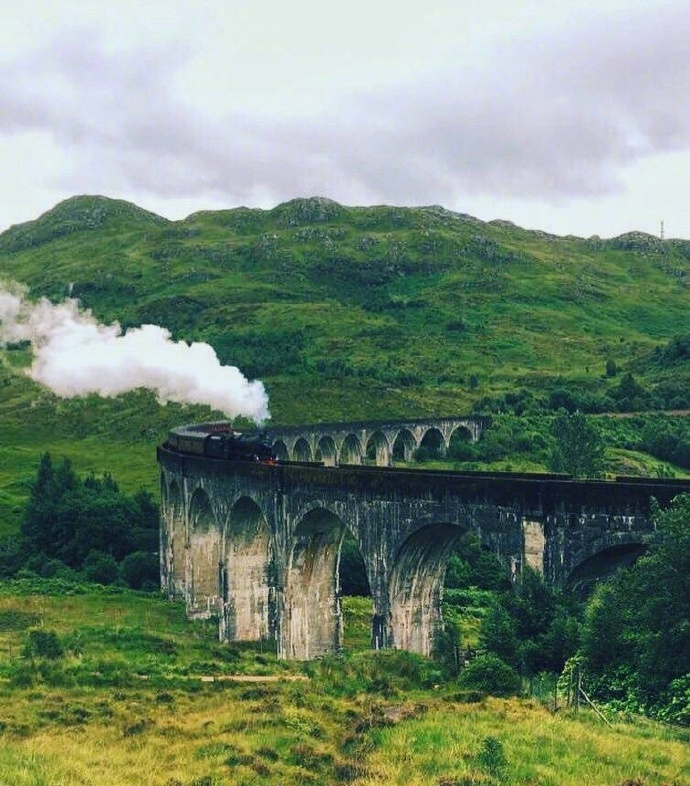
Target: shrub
<point>489,674</point>
<point>140,570</point>
<point>100,567</point>
<point>43,644</point>
<point>491,757</point>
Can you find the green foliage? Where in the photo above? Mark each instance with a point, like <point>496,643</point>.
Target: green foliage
<point>87,524</point>
<point>509,436</point>
<point>353,575</point>
<point>140,570</point>
<point>43,644</point>
<point>446,648</point>
<point>386,672</point>
<point>489,674</point>
<point>636,636</point>
<point>675,353</point>
<point>393,298</point>
<point>674,705</point>
<point>611,367</point>
<point>578,449</point>
<point>531,627</point>
<point>470,565</point>
<point>668,440</point>
<point>100,567</point>
<point>491,757</point>
<point>499,634</point>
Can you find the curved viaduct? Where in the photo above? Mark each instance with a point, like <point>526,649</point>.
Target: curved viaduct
<point>258,546</point>
<point>378,442</point>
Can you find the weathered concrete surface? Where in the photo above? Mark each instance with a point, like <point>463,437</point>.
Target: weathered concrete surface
<point>350,443</point>
<point>259,545</point>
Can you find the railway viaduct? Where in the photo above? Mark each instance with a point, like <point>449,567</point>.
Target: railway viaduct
<point>379,442</point>
<point>258,546</point>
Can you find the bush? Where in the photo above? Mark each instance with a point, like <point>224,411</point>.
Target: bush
<point>675,705</point>
<point>66,518</point>
<point>491,757</point>
<point>100,568</point>
<point>43,644</point>
<point>446,648</point>
<point>489,674</point>
<point>636,637</point>
<point>578,448</point>
<point>140,570</point>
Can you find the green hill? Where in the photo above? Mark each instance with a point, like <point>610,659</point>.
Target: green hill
<point>345,313</point>
<point>366,312</point>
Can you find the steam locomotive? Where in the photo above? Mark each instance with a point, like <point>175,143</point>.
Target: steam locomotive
<point>219,440</point>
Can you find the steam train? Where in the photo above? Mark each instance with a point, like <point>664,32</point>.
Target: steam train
<point>219,440</point>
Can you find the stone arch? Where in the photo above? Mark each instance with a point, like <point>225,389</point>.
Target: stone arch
<point>246,582</point>
<point>461,433</point>
<point>326,451</point>
<point>354,581</point>
<point>313,624</point>
<point>301,450</point>
<point>177,541</point>
<point>281,451</point>
<point>378,449</point>
<point>604,558</point>
<point>204,553</point>
<point>351,451</point>
<point>403,446</point>
<point>459,444</point>
<point>432,443</point>
<point>416,586</point>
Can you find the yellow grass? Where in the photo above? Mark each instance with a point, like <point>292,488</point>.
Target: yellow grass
<point>539,747</point>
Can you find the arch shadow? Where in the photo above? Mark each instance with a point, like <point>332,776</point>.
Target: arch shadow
<point>203,599</point>
<point>416,586</point>
<point>247,583</point>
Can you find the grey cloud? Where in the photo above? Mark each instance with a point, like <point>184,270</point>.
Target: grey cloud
<point>551,119</point>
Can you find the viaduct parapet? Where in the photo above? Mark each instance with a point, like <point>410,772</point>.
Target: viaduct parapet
<point>258,546</point>
<point>378,442</point>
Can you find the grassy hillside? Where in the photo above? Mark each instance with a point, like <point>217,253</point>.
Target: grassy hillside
<point>344,313</point>
<point>381,311</point>
<point>139,695</point>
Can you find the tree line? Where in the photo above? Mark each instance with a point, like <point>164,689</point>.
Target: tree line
<point>86,528</point>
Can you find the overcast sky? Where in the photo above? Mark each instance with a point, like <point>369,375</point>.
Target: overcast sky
<point>575,121</point>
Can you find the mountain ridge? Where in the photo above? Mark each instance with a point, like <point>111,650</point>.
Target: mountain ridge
<point>422,309</point>
<point>307,210</point>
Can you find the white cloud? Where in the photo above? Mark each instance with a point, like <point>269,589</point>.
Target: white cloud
<point>472,105</point>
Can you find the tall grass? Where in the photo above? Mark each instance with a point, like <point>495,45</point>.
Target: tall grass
<point>126,704</point>
<point>449,746</point>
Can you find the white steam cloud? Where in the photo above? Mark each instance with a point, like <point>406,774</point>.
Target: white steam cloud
<point>75,355</point>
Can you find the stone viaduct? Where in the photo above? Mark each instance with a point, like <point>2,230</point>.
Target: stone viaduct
<point>258,545</point>
<point>376,442</point>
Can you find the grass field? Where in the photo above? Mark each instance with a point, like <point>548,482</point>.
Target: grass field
<point>132,701</point>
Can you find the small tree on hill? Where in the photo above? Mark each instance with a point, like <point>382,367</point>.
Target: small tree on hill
<point>578,447</point>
